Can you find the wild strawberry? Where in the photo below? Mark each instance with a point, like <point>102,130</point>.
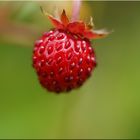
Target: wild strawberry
<point>63,57</point>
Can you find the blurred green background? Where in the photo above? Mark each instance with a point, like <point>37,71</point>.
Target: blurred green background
<point>106,106</point>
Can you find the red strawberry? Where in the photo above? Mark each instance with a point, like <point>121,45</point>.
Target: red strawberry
<point>63,57</point>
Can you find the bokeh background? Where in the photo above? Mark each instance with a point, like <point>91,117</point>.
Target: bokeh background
<point>106,106</point>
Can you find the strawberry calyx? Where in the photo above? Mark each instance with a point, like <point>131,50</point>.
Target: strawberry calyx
<point>76,27</point>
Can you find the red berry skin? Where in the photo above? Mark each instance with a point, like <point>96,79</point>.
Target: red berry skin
<point>63,60</point>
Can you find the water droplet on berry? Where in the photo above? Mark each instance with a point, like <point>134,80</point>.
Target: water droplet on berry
<point>80,72</point>
<point>80,61</point>
<point>59,46</point>
<point>60,70</point>
<point>88,59</point>
<point>70,71</point>
<point>69,56</point>
<point>39,64</point>
<point>41,50</point>
<point>84,46</point>
<point>93,59</point>
<point>42,62</point>
<point>72,65</point>
<point>50,49</point>
<point>49,61</point>
<point>51,38</point>
<point>89,69</point>
<point>54,82</point>
<point>67,45</point>
<point>90,50</point>
<point>77,46</point>
<point>59,59</point>
<point>34,58</point>
<point>51,73</point>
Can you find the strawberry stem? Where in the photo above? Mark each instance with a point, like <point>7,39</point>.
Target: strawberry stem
<point>76,9</point>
